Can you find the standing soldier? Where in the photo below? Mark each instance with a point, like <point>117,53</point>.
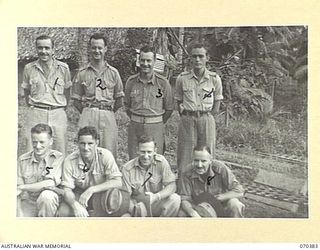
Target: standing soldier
<point>149,103</point>
<point>198,95</point>
<point>46,83</point>
<point>98,93</point>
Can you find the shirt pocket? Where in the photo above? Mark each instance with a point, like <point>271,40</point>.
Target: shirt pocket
<point>29,177</point>
<point>155,183</point>
<point>207,95</point>
<point>188,92</point>
<point>36,87</point>
<point>81,180</point>
<point>58,86</point>
<point>156,100</point>
<point>136,97</point>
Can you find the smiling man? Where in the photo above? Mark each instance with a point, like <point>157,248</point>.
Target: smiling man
<point>149,103</point>
<point>88,172</point>
<point>46,83</point>
<point>198,95</point>
<point>98,94</point>
<point>150,181</point>
<point>38,171</point>
<point>213,178</point>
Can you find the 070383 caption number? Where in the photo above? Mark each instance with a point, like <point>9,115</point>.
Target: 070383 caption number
<point>308,245</point>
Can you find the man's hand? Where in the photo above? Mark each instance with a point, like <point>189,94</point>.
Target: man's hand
<point>153,197</point>
<point>79,210</point>
<point>219,197</point>
<point>85,196</point>
<point>195,214</point>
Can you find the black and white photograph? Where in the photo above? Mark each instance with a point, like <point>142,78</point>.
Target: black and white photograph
<point>174,122</point>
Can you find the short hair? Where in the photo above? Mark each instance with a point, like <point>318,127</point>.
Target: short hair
<point>97,36</point>
<point>145,139</point>
<point>146,49</point>
<point>45,37</point>
<point>41,128</point>
<point>202,147</point>
<point>88,130</point>
<point>198,46</point>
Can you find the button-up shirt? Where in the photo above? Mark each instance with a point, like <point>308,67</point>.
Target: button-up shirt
<point>30,170</point>
<point>91,85</point>
<point>220,180</point>
<point>47,90</point>
<point>195,95</point>
<point>137,179</point>
<point>148,99</point>
<point>77,174</point>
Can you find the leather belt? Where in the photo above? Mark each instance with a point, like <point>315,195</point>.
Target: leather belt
<point>98,105</point>
<point>47,107</point>
<point>195,113</point>
<point>144,119</point>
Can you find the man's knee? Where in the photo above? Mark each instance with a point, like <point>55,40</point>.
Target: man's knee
<point>175,200</point>
<point>235,207</point>
<point>48,197</point>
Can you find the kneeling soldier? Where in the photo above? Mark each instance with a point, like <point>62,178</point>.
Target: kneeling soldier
<point>88,172</point>
<point>151,183</point>
<point>38,172</point>
<point>209,186</point>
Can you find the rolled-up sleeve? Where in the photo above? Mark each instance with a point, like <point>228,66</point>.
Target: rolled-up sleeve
<point>218,89</point>
<point>19,174</point>
<point>67,78</point>
<point>185,188</point>
<point>56,171</point>
<point>111,169</point>
<point>168,99</point>
<point>118,88</point>
<point>230,182</point>
<point>167,174</point>
<point>77,88</point>
<point>67,178</point>
<point>26,77</point>
<point>178,96</point>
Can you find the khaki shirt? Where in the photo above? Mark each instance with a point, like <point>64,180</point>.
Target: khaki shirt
<point>102,169</point>
<point>134,176</point>
<point>31,171</point>
<point>47,90</point>
<point>103,86</point>
<point>148,99</point>
<point>221,180</point>
<point>195,96</point>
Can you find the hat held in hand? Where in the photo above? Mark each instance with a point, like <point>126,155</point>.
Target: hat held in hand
<point>115,202</point>
<point>204,200</point>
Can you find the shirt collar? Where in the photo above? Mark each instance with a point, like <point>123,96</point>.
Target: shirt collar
<point>45,159</point>
<point>205,75</point>
<point>152,80</point>
<point>137,164</point>
<point>54,64</point>
<point>105,66</point>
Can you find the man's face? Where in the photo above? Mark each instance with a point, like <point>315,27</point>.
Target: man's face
<point>201,161</point>
<point>87,146</point>
<point>146,152</point>
<point>198,58</point>
<point>146,61</point>
<point>97,49</point>
<point>41,143</point>
<point>44,50</point>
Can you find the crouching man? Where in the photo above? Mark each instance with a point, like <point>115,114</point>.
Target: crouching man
<point>87,173</point>
<point>38,172</point>
<point>209,188</point>
<point>151,183</point>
